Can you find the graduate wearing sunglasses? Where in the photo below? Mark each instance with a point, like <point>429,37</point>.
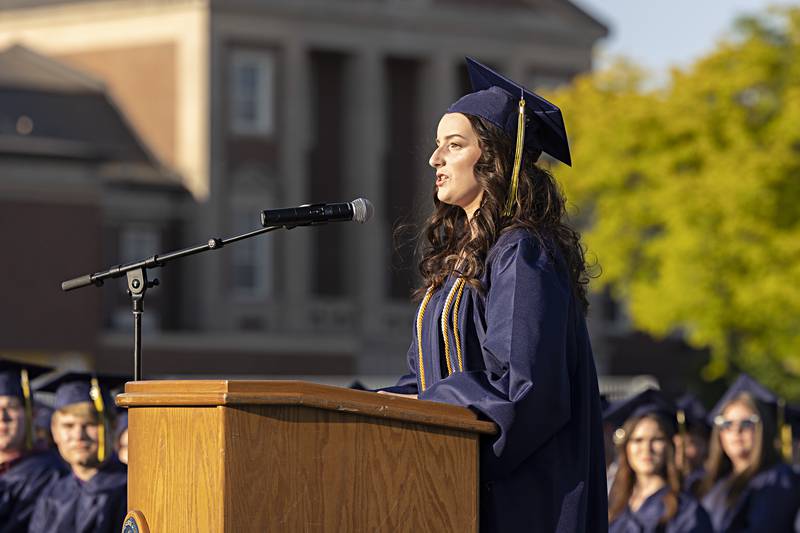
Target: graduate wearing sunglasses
<point>748,487</point>
<point>646,494</point>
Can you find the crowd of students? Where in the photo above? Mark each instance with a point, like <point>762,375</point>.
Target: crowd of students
<point>62,468</point>
<point>673,467</point>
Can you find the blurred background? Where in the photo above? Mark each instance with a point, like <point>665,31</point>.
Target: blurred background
<point>134,127</point>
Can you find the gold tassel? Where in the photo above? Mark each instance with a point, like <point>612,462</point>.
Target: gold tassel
<point>785,432</point>
<point>97,398</point>
<point>681,417</point>
<point>512,192</point>
<point>26,394</point>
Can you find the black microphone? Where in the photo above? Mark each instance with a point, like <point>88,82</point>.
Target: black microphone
<point>359,210</point>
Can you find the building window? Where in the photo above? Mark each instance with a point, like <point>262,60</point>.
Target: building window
<point>251,271</point>
<point>252,92</point>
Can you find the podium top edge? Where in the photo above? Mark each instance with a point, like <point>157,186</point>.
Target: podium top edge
<point>239,393</point>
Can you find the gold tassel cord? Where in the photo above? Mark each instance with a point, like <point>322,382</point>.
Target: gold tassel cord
<point>456,334</point>
<point>97,398</point>
<point>512,191</point>
<point>454,295</point>
<point>26,394</point>
<point>420,316</point>
<point>445,330</point>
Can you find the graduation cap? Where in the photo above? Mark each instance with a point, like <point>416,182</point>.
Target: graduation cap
<point>78,387</point>
<point>15,378</point>
<point>647,402</point>
<point>746,384</point>
<point>691,413</point>
<point>508,106</point>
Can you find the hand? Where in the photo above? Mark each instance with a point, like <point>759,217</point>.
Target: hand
<point>414,396</point>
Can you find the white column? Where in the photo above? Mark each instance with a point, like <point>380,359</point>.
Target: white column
<point>370,244</point>
<point>295,151</point>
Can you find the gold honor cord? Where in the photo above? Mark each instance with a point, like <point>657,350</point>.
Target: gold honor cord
<point>456,291</point>
<point>97,398</point>
<point>420,315</point>
<point>445,330</point>
<point>455,324</point>
<point>26,394</point>
<point>512,192</point>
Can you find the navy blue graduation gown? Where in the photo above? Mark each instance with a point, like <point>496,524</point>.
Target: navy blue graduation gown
<point>21,485</point>
<point>95,506</point>
<point>768,504</point>
<point>528,367</point>
<point>689,518</point>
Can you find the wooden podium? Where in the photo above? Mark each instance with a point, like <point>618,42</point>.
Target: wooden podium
<point>286,456</point>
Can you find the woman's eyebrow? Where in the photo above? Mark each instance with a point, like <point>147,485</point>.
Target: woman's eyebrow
<point>451,136</point>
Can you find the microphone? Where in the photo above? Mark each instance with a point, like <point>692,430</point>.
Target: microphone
<point>359,210</point>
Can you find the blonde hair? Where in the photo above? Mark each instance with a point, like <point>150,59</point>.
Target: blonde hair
<point>82,410</point>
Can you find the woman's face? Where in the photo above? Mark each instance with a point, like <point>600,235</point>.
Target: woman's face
<point>737,432</point>
<point>457,151</point>
<point>647,448</point>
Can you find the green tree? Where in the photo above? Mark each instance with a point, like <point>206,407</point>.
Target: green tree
<point>690,196</point>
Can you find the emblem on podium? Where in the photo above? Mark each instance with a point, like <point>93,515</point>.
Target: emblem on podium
<point>135,523</point>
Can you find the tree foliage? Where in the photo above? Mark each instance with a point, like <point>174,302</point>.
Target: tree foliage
<point>690,195</point>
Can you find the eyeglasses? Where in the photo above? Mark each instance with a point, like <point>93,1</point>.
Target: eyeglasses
<point>746,424</point>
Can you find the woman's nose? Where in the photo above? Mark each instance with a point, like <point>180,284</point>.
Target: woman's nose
<point>435,161</point>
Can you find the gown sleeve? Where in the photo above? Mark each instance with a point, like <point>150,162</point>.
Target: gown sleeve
<point>526,342</point>
<point>773,506</point>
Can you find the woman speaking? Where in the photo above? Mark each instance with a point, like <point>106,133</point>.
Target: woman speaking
<point>501,324</point>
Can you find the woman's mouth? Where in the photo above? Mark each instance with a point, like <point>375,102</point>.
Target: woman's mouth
<point>440,179</point>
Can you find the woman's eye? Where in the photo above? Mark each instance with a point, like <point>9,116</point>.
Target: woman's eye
<point>454,146</point>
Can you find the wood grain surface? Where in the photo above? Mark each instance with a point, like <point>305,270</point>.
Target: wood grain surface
<point>176,468</point>
<point>308,470</point>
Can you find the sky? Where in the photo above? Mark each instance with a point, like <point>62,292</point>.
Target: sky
<point>658,34</point>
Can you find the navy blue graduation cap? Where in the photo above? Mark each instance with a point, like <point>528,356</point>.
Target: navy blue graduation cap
<point>496,99</point>
<point>744,383</point>
<point>647,402</point>
<point>15,377</point>
<point>76,387</point>
<point>650,401</point>
<point>691,413</point>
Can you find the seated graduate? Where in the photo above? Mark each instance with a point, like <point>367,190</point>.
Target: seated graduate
<point>24,471</point>
<point>747,486</point>
<point>42,419</point>
<point>93,496</point>
<point>691,441</point>
<point>501,328</point>
<point>646,494</point>
<point>121,437</point>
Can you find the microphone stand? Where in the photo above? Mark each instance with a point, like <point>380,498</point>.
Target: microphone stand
<point>138,283</point>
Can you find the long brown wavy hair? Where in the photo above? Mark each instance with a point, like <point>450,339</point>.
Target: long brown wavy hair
<point>625,479</point>
<point>448,246</point>
<point>765,454</point>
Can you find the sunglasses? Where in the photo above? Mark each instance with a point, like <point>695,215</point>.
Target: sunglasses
<point>746,424</point>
